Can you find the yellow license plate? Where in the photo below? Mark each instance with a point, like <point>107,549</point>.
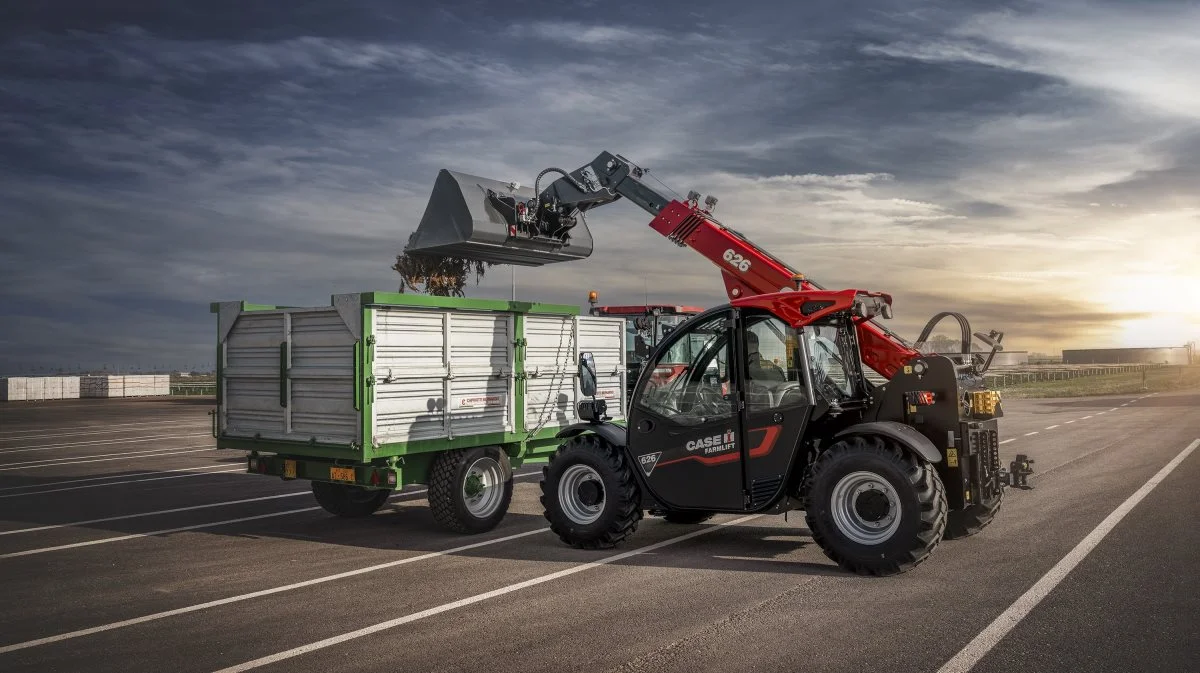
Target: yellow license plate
<point>289,469</point>
<point>341,473</point>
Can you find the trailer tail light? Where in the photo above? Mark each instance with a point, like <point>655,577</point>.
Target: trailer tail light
<point>374,477</point>
<point>262,467</point>
<point>391,479</point>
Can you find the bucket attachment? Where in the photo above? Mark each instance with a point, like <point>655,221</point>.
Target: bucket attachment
<point>475,218</point>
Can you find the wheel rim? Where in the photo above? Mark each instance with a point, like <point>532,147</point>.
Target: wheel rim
<point>581,494</point>
<point>865,508</point>
<point>483,487</point>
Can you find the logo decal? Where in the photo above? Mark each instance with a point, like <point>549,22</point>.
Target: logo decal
<point>648,461</point>
<point>713,444</point>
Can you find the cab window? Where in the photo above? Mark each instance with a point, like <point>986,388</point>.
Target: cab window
<point>774,374</point>
<point>689,380</point>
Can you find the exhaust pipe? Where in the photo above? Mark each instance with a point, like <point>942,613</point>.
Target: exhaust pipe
<point>476,218</point>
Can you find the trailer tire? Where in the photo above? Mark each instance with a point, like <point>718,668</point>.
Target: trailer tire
<point>589,493</point>
<point>970,520</point>
<point>873,507</point>
<point>683,517</point>
<point>347,500</point>
<point>470,489</point>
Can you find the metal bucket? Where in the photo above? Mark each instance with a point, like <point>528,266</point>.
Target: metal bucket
<point>466,218</point>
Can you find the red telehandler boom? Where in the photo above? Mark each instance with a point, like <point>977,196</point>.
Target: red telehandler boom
<point>882,472</point>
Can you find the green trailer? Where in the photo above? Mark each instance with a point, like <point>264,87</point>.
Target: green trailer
<point>380,390</point>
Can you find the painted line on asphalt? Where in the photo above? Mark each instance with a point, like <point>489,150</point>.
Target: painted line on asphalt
<point>104,442</point>
<point>1101,413</point>
<point>1030,434</point>
<point>127,481</point>
<point>143,473</point>
<point>477,598</point>
<point>1113,409</point>
<point>1052,427</point>
<point>1085,418</point>
<point>104,460</point>
<point>1013,439</point>
<point>21,434</point>
<point>1068,422</point>
<point>987,639</point>
<point>96,455</point>
<point>256,594</point>
<point>139,515</point>
<point>199,526</point>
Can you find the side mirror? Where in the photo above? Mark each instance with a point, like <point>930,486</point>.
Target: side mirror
<point>587,374</point>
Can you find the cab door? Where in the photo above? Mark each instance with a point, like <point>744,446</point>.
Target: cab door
<point>684,429</point>
<point>777,403</point>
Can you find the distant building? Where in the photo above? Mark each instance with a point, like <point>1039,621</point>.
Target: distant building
<point>1175,355</point>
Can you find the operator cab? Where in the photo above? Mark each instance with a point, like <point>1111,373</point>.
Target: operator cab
<point>722,431</point>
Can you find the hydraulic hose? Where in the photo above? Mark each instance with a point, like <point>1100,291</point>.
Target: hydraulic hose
<point>962,323</point>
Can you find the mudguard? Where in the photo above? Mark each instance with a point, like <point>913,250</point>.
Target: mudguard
<point>613,434</point>
<point>905,434</point>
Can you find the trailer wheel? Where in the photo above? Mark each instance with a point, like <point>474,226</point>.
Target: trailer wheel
<point>347,500</point>
<point>470,489</point>
<point>970,520</point>
<point>589,494</point>
<point>874,508</point>
<point>683,516</point>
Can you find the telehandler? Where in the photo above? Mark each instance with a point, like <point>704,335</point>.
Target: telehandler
<point>882,472</point>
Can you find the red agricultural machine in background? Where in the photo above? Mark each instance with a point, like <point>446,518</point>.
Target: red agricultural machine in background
<point>883,472</point>
<point>645,327</point>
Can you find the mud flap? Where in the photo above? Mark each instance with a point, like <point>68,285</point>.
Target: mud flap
<point>472,217</point>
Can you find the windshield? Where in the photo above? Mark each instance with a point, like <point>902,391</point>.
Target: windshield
<point>828,352</point>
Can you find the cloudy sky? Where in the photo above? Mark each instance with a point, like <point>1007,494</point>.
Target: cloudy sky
<point>1033,165</point>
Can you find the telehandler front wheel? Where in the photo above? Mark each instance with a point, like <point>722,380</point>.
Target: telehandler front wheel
<point>470,489</point>
<point>874,508</point>
<point>589,494</point>
<point>347,500</point>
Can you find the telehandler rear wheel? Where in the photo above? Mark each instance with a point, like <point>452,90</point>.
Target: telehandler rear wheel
<point>470,489</point>
<point>348,500</point>
<point>589,494</point>
<point>970,520</point>
<point>874,508</point>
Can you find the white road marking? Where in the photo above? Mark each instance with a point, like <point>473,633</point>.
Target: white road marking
<point>478,598</point>
<point>127,481</point>
<point>1085,418</point>
<point>211,524</point>
<point>1009,440</point>
<point>1125,405</point>
<point>144,473</point>
<point>104,460</point>
<point>994,632</point>
<point>154,513</point>
<point>1052,427</point>
<point>1029,434</point>
<point>255,594</point>
<point>1101,413</point>
<point>21,434</point>
<point>1069,422</point>
<point>93,455</point>
<point>153,438</point>
<point>1113,409</point>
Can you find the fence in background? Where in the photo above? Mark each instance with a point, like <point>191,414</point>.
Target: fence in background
<point>201,389</point>
<point>1004,378</point>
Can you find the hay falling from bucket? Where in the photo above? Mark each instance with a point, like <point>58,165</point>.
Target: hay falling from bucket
<point>438,276</point>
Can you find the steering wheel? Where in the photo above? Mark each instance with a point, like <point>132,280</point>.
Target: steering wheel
<point>709,399</point>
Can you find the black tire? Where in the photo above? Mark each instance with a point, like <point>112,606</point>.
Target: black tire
<point>347,500</point>
<point>613,493</point>
<point>904,539</point>
<point>968,521</point>
<point>451,500</point>
<point>684,517</point>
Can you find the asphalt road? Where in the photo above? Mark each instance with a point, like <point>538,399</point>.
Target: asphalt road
<point>128,544</point>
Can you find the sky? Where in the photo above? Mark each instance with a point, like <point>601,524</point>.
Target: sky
<point>1031,165</point>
